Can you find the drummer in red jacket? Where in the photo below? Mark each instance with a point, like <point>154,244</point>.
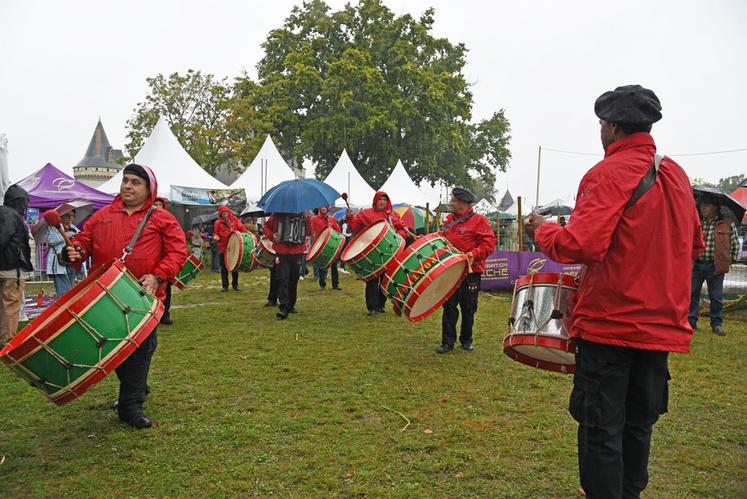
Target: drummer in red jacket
<point>288,232</point>
<point>226,224</point>
<point>319,223</point>
<point>470,233</point>
<point>638,240</point>
<point>158,255</point>
<point>380,210</point>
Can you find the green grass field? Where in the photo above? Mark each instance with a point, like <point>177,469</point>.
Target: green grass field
<point>315,406</point>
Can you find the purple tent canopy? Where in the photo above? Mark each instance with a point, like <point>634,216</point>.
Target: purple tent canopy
<point>50,187</point>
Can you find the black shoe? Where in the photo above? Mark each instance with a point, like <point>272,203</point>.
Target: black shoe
<point>381,310</point>
<point>140,421</point>
<point>322,288</point>
<point>115,405</point>
<point>337,288</point>
<point>271,303</point>
<point>444,349</point>
<point>719,330</point>
<point>371,311</point>
<point>236,288</point>
<point>294,310</point>
<point>224,290</point>
<point>166,321</point>
<point>281,316</point>
<point>468,346</point>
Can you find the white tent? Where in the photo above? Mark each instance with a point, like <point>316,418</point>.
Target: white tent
<point>172,165</point>
<point>267,170</point>
<point>401,189</point>
<point>344,177</point>
<point>436,194</point>
<point>483,207</point>
<point>4,175</point>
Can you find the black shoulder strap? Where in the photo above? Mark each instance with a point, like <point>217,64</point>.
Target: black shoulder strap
<point>646,183</point>
<point>137,233</point>
<point>457,221</point>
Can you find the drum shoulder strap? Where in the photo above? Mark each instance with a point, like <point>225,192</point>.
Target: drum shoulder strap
<point>457,221</point>
<point>647,182</point>
<point>139,230</point>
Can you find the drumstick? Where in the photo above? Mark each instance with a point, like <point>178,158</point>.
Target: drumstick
<point>345,198</point>
<point>53,219</point>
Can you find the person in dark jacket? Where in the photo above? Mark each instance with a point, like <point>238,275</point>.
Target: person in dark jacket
<point>15,259</point>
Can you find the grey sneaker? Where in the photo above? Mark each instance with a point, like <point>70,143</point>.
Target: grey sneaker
<point>719,330</point>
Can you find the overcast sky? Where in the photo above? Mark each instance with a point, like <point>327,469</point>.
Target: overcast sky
<point>65,64</point>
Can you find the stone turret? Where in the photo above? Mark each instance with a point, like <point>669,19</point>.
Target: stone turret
<point>100,162</point>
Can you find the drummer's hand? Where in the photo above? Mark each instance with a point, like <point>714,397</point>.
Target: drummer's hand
<point>74,253</point>
<point>276,237</point>
<point>410,235</point>
<point>150,283</point>
<point>533,222</point>
<point>470,258</point>
<point>216,237</point>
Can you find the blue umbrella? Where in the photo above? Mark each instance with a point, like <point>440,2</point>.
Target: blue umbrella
<point>297,196</point>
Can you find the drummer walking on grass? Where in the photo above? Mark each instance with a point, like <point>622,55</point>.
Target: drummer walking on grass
<point>470,233</point>
<point>158,255</point>
<point>226,224</point>
<point>319,223</point>
<point>637,232</point>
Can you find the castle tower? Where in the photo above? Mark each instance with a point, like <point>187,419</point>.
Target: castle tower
<point>100,162</point>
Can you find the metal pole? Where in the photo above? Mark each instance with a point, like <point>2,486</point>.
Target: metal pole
<point>521,229</point>
<point>539,161</point>
<point>427,218</point>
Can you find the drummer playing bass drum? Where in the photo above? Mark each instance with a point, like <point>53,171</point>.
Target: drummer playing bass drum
<point>470,233</point>
<point>158,255</point>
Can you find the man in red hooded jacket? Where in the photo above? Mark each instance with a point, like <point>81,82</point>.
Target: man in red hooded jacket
<point>470,233</point>
<point>381,209</point>
<point>226,224</point>
<point>319,223</point>
<point>158,255</point>
<point>636,229</point>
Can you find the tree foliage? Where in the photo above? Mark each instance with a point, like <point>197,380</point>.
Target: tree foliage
<point>195,106</point>
<point>379,85</point>
<point>727,184</point>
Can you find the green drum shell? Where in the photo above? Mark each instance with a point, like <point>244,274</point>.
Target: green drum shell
<point>410,275</point>
<point>85,334</point>
<point>371,262</point>
<point>326,248</point>
<point>246,242</point>
<point>192,268</point>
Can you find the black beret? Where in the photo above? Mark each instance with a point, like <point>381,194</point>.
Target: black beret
<point>463,195</point>
<point>137,170</point>
<point>630,104</point>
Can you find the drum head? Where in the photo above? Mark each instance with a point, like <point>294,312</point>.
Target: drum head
<point>362,241</point>
<point>318,244</point>
<point>233,251</point>
<point>433,291</point>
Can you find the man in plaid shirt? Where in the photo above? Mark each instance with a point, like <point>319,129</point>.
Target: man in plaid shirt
<point>721,250</point>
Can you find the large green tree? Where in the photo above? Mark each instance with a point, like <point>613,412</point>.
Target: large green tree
<point>379,85</point>
<point>195,107</point>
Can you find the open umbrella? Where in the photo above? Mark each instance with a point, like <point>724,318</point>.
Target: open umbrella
<point>556,207</point>
<point>706,194</point>
<point>297,196</point>
<point>740,196</point>
<point>83,210</point>
<point>252,210</point>
<point>412,216</point>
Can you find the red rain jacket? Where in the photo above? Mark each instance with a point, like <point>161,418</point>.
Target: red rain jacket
<point>270,227</point>
<point>160,249</point>
<point>321,222</point>
<point>473,234</point>
<point>223,228</point>
<point>635,291</point>
<point>366,218</point>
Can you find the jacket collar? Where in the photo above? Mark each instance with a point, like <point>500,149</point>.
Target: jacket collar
<point>637,139</point>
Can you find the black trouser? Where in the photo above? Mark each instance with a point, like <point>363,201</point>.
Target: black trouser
<point>375,297</point>
<point>133,379</point>
<point>224,274</point>
<point>215,256</point>
<point>167,303</point>
<point>618,394</point>
<point>287,281</point>
<point>466,298</point>
<point>272,295</point>
<point>335,276</point>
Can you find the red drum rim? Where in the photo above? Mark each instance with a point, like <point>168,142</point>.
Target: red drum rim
<point>430,276</point>
<point>564,345</point>
<point>21,345</point>
<point>319,243</point>
<point>381,224</point>
<point>267,245</point>
<point>382,269</point>
<point>547,278</point>
<point>198,263</point>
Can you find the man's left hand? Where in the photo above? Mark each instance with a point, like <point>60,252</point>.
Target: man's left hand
<point>150,283</point>
<point>470,259</point>
<point>533,222</point>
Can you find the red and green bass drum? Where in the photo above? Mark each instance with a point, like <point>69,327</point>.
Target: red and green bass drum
<point>369,251</point>
<point>422,277</point>
<point>326,248</point>
<point>239,250</point>
<point>192,268</point>
<point>85,334</point>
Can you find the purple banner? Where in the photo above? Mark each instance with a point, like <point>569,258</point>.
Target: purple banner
<point>502,268</point>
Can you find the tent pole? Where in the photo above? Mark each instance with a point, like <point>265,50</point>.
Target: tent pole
<point>539,161</point>
<point>518,218</point>
<point>427,218</point>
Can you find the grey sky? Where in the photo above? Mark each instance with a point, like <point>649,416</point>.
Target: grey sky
<point>65,64</point>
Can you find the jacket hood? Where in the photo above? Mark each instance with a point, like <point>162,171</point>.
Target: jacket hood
<point>388,203</point>
<point>152,189</point>
<point>17,198</point>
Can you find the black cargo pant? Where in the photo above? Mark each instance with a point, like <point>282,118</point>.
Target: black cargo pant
<point>466,298</point>
<point>224,274</point>
<point>375,297</point>
<point>286,273</point>
<point>272,294</point>
<point>133,379</point>
<point>618,395</point>
<point>335,276</point>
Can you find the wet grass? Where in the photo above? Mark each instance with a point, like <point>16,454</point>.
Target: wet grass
<point>315,406</point>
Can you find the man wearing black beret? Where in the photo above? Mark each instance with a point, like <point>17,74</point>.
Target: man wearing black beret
<point>636,230</point>
<point>470,233</point>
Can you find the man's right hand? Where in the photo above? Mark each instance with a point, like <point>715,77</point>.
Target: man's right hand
<point>74,254</point>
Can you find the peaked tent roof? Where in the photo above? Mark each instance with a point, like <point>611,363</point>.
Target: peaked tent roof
<point>49,187</point>
<point>172,165</point>
<point>401,189</point>
<point>267,170</point>
<point>97,153</point>
<point>483,207</point>
<point>506,201</point>
<point>345,177</point>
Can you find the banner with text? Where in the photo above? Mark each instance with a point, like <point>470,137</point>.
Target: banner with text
<point>193,195</point>
<point>502,268</point>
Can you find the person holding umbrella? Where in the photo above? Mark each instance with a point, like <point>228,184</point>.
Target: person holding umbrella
<point>226,224</point>
<point>63,276</point>
<point>721,250</point>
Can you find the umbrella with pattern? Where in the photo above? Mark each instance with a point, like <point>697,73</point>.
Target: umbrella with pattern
<point>412,216</point>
